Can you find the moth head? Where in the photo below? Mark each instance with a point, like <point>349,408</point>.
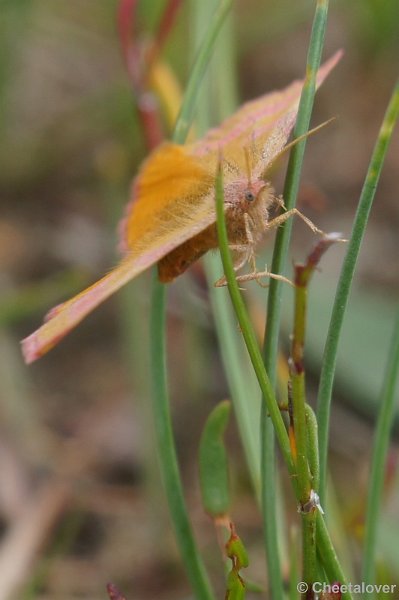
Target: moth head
<point>249,196</point>
<point>253,185</point>
<point>252,192</point>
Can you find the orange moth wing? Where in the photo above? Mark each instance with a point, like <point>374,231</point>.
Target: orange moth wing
<point>167,213</point>
<point>172,201</point>
<point>173,198</point>
<point>174,191</point>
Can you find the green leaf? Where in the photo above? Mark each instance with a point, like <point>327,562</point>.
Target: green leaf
<point>213,463</point>
<point>235,587</point>
<point>236,549</point>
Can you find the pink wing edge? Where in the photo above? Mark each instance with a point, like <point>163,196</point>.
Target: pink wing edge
<point>328,66</point>
<point>201,147</point>
<point>60,320</point>
<point>212,142</point>
<point>286,122</point>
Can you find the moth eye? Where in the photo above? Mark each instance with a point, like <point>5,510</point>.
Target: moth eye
<point>250,196</point>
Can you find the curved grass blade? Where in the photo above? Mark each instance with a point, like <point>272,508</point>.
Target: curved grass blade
<point>346,277</point>
<point>161,405</point>
<point>324,544</point>
<point>247,330</point>
<point>380,450</point>
<point>244,389</point>
<point>270,348</point>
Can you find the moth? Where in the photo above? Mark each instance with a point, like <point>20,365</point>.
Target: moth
<point>171,217</point>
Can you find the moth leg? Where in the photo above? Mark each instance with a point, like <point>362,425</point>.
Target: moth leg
<point>249,226</point>
<point>254,274</point>
<point>257,275</point>
<point>240,262</point>
<point>277,221</point>
<point>238,247</point>
<point>247,250</point>
<point>243,255</point>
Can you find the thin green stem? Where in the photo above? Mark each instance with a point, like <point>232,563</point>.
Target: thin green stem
<point>380,450</point>
<point>201,62</point>
<point>219,99</point>
<point>303,275</point>
<point>161,405</point>
<point>312,447</point>
<point>345,280</point>
<point>270,349</point>
<point>308,516</point>
<point>324,544</point>
<point>242,384</point>
<point>294,563</point>
<point>328,555</point>
<point>268,499</point>
<point>166,448</point>
<point>248,332</point>
<point>298,394</point>
<point>300,414</point>
<point>309,554</point>
<point>292,185</point>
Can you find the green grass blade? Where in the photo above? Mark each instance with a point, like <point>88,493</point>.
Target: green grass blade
<point>218,99</point>
<point>185,116</point>
<point>324,544</point>
<point>328,555</point>
<point>161,405</point>
<point>292,185</point>
<point>239,374</point>
<point>247,330</point>
<point>166,448</point>
<point>345,280</point>
<point>380,451</point>
<point>270,348</point>
<point>240,377</point>
<point>294,564</point>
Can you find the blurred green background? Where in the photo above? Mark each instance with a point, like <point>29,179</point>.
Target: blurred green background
<point>80,502</point>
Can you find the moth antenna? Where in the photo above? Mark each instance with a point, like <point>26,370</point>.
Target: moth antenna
<point>248,164</point>
<point>253,144</point>
<point>294,142</point>
<point>232,167</point>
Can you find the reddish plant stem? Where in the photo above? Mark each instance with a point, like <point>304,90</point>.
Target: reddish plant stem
<point>139,60</point>
<point>308,502</point>
<point>165,26</point>
<point>137,69</point>
<point>114,593</point>
<point>125,23</point>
